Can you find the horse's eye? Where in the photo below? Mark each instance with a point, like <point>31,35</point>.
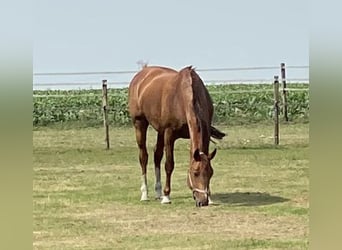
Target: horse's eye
<point>196,174</point>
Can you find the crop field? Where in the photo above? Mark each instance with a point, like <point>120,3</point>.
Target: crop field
<point>234,105</point>
<point>86,197</point>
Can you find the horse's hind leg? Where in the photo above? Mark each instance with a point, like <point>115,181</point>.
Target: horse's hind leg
<point>169,141</point>
<point>158,155</point>
<point>140,132</point>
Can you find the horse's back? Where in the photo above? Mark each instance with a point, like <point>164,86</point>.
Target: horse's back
<point>149,83</point>
<point>152,94</point>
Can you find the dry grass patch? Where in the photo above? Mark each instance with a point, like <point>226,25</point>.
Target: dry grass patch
<point>86,197</point>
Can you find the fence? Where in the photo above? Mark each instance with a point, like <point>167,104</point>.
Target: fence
<point>232,102</point>
<point>128,74</point>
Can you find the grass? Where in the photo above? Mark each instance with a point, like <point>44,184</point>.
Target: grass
<point>86,197</point>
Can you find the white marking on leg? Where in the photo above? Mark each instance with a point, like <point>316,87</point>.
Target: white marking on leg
<point>166,200</point>
<point>210,201</point>
<point>143,188</point>
<point>158,186</point>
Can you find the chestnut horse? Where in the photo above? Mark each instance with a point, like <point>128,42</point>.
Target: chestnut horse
<point>177,105</point>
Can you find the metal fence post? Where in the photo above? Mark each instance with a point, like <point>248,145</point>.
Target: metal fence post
<point>105,111</point>
<point>283,77</point>
<point>276,110</point>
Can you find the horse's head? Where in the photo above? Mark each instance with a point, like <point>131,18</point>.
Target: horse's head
<point>199,176</point>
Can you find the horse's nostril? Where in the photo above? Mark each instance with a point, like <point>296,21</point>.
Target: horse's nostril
<point>202,203</point>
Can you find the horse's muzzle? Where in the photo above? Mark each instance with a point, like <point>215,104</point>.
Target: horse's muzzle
<point>201,197</point>
<point>202,203</point>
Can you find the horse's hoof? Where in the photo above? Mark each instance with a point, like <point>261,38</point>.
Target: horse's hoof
<point>165,200</point>
<point>158,195</point>
<point>144,197</point>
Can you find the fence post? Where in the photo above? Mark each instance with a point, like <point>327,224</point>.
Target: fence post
<point>283,77</point>
<point>276,110</point>
<point>105,111</point>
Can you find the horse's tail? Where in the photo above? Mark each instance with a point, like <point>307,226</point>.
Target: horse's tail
<point>215,133</point>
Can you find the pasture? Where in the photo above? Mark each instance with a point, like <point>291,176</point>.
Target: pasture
<point>86,197</point>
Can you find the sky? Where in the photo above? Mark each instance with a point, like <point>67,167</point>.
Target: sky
<point>104,35</point>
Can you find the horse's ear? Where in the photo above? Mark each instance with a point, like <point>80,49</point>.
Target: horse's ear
<point>197,155</point>
<point>187,68</point>
<point>212,154</point>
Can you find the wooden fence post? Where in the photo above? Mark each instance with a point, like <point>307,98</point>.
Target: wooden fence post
<point>276,110</point>
<point>105,111</point>
<point>283,78</point>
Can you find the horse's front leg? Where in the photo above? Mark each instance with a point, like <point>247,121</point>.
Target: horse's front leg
<point>210,201</point>
<point>169,164</point>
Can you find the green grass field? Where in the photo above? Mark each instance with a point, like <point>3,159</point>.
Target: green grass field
<point>86,197</point>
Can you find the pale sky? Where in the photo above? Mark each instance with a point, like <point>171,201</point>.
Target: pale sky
<point>105,35</point>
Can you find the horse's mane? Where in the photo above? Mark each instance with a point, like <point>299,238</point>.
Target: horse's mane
<point>200,93</point>
<point>202,104</point>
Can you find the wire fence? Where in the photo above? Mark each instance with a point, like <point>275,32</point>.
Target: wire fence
<point>199,70</point>
<point>90,109</point>
<point>117,84</point>
<point>236,100</point>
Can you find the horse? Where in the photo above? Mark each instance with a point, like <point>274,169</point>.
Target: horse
<point>177,105</point>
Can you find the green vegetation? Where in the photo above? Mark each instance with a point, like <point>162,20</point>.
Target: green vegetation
<point>86,197</point>
<point>234,104</point>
